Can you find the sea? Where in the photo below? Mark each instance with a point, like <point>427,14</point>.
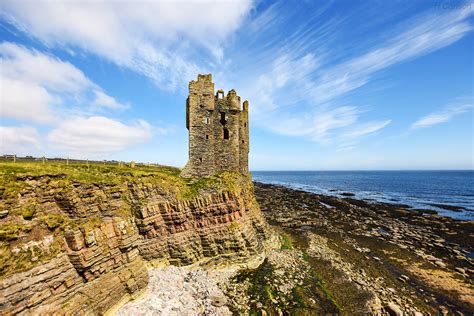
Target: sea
<point>433,190</point>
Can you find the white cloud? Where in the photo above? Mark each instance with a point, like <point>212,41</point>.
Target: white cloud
<point>154,38</point>
<point>97,135</point>
<point>365,129</point>
<point>106,101</point>
<point>424,35</point>
<point>299,93</point>
<point>20,63</point>
<point>25,101</point>
<point>41,88</point>
<point>18,140</point>
<point>443,115</point>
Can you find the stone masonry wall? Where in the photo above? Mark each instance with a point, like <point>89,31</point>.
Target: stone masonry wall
<point>218,130</point>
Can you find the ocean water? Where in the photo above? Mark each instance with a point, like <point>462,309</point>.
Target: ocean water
<point>418,189</point>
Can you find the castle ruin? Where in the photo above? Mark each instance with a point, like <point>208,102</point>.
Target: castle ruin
<point>218,130</point>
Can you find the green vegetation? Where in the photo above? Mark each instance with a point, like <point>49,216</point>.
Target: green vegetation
<point>113,174</point>
<point>54,221</point>
<point>234,226</point>
<point>299,296</point>
<point>268,292</point>
<point>9,231</point>
<point>25,259</point>
<point>323,286</point>
<point>286,241</point>
<point>46,199</point>
<point>29,211</point>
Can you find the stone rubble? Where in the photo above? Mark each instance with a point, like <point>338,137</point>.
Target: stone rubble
<point>177,291</point>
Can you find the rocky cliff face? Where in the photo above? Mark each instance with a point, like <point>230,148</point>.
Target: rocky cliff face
<point>70,246</point>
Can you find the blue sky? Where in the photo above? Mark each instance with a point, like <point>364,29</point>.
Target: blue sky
<point>332,85</point>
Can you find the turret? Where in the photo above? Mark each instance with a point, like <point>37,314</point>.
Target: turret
<point>234,100</point>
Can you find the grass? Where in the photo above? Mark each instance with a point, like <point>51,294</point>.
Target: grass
<point>26,259</point>
<point>286,242</point>
<point>24,183</point>
<point>112,174</point>
<point>54,220</point>
<point>28,211</point>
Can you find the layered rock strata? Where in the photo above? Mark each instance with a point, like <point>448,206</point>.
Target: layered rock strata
<point>106,236</point>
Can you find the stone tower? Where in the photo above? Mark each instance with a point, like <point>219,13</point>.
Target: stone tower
<point>218,130</point>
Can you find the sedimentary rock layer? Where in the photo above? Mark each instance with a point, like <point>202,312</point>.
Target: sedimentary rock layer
<point>108,233</point>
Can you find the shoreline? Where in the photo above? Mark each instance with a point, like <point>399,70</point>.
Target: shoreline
<point>406,260</point>
<point>457,212</point>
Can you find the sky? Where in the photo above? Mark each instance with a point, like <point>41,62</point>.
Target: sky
<point>331,85</point>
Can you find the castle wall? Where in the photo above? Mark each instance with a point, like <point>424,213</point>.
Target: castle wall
<point>218,130</point>
<point>200,107</point>
<point>244,139</point>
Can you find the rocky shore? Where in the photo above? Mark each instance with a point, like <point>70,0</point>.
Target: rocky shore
<point>337,256</point>
<point>348,256</point>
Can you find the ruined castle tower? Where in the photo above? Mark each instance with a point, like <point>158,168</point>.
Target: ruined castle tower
<point>218,130</point>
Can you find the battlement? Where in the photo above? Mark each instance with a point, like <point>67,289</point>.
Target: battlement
<point>207,77</point>
<point>218,130</point>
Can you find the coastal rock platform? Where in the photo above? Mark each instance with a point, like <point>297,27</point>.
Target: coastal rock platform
<point>348,256</point>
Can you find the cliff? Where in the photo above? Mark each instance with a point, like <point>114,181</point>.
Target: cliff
<point>79,238</point>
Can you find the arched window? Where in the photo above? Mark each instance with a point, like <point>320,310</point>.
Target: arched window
<point>226,133</point>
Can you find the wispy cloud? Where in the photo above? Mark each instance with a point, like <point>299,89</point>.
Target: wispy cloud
<point>422,36</point>
<point>300,88</point>
<point>444,115</point>
<point>365,129</point>
<point>102,100</point>
<point>159,39</point>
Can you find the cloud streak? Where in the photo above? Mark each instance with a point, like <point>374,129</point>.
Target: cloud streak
<point>300,89</point>
<point>444,115</point>
<point>158,39</point>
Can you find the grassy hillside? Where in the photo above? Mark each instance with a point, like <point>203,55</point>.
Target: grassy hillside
<point>12,176</point>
